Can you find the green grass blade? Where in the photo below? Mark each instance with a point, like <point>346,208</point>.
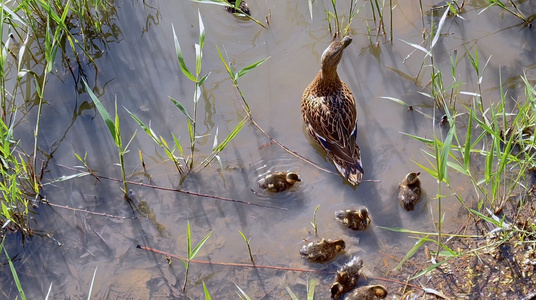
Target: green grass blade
<point>207,294</point>
<point>227,67</point>
<point>245,70</point>
<point>396,100</point>
<point>467,148</point>
<point>188,240</point>
<point>201,45</point>
<point>14,274</point>
<point>177,144</point>
<point>180,57</point>
<point>412,251</point>
<point>102,111</point>
<point>181,108</point>
<point>291,294</point>
<point>420,139</point>
<point>243,293</point>
<point>430,268</point>
<point>217,2</point>
<point>445,150</point>
<point>311,289</point>
<point>232,135</point>
<point>199,245</point>
<point>146,128</point>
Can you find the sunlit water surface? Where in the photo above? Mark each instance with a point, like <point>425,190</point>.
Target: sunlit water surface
<point>140,70</point>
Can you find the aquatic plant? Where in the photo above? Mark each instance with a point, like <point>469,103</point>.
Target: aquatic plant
<point>192,253</point>
<point>313,223</point>
<point>311,284</point>
<point>515,11</point>
<point>337,27</point>
<point>115,130</point>
<point>13,271</point>
<point>186,164</point>
<point>249,247</point>
<point>235,6</point>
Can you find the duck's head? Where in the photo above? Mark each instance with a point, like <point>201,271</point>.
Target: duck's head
<point>333,54</point>
<point>379,291</point>
<point>292,177</point>
<point>364,212</point>
<point>339,244</point>
<point>412,177</point>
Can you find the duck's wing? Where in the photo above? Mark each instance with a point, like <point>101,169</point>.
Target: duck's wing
<point>331,120</point>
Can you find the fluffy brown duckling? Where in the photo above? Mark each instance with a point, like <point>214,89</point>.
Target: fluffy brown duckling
<point>409,191</point>
<point>243,7</point>
<point>357,219</point>
<point>330,116</point>
<point>369,292</point>
<point>322,251</point>
<point>277,182</point>
<point>347,277</point>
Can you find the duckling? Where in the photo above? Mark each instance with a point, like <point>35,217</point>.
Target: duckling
<point>278,181</point>
<point>347,277</point>
<point>354,219</point>
<point>243,7</point>
<point>369,292</point>
<point>409,191</point>
<point>323,250</point>
<point>330,116</point>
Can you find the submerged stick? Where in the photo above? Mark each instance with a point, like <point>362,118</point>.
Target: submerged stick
<point>183,191</point>
<point>229,264</point>
<point>265,267</point>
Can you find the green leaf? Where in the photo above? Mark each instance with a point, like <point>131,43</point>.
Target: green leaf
<point>245,70</point>
<point>207,294</point>
<point>227,67</point>
<point>102,111</point>
<point>467,149</point>
<point>182,108</point>
<point>188,240</point>
<point>311,289</point>
<point>199,57</point>
<point>14,274</point>
<point>177,144</point>
<point>243,293</point>
<point>146,128</point>
<point>412,251</point>
<point>291,294</point>
<point>199,245</point>
<point>180,57</point>
<point>232,135</point>
<point>217,2</point>
<point>430,268</point>
<point>396,100</point>
<point>243,236</point>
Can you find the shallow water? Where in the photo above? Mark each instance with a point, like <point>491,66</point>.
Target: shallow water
<point>140,69</point>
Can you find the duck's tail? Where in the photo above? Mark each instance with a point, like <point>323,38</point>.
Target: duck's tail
<point>352,171</point>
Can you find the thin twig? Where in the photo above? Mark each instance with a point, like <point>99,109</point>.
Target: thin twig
<point>182,191</point>
<point>87,211</point>
<point>230,264</point>
<point>265,267</point>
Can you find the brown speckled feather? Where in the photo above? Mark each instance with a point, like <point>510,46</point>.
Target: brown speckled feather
<point>329,114</point>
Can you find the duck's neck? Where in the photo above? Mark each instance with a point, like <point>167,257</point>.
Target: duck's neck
<point>328,79</point>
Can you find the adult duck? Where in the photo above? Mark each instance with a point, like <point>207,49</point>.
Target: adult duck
<point>330,117</point>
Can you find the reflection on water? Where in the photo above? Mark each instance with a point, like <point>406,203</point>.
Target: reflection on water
<point>142,71</point>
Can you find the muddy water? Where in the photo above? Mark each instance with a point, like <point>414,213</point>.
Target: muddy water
<point>141,71</point>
